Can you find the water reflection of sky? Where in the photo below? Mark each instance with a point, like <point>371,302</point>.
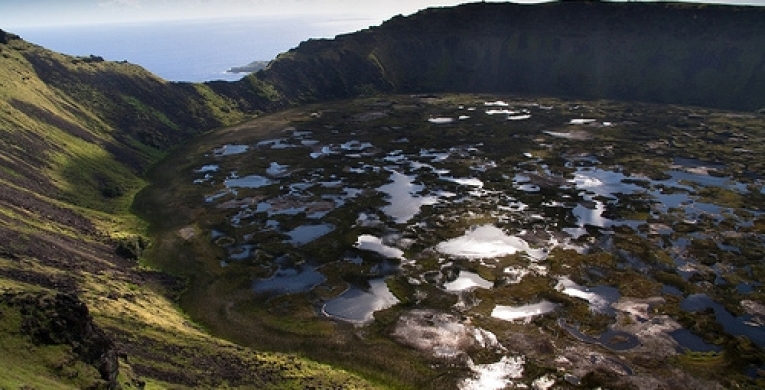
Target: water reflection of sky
<point>252,181</point>
<point>467,280</point>
<point>419,178</point>
<point>302,235</point>
<point>371,243</point>
<point>733,325</point>
<point>692,342</point>
<point>357,305</point>
<point>485,241</point>
<point>511,313</point>
<point>601,298</point>
<point>290,281</point>
<point>228,150</point>
<point>403,198</point>
<point>705,180</point>
<point>602,182</point>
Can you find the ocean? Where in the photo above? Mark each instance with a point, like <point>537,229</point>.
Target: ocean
<point>196,51</point>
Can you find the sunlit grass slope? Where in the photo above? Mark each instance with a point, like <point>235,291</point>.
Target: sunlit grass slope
<point>76,135</point>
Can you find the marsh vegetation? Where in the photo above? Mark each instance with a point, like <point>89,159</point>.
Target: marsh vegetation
<point>570,242</point>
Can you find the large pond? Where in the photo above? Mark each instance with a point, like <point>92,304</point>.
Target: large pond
<point>358,305</point>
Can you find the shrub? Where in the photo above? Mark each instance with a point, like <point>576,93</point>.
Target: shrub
<point>131,247</point>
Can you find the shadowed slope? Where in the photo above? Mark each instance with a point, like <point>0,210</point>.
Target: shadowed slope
<point>659,52</point>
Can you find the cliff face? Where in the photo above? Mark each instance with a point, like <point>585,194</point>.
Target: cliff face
<point>658,52</point>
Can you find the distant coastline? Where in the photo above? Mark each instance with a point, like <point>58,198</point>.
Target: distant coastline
<point>187,51</point>
<point>252,67</point>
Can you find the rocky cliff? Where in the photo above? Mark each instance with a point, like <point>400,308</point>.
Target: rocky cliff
<point>657,52</point>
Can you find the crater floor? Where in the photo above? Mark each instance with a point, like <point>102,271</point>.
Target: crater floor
<point>479,241</point>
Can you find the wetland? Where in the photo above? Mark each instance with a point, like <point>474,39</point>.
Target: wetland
<point>478,241</point>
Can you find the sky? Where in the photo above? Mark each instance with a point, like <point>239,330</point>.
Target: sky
<point>32,13</point>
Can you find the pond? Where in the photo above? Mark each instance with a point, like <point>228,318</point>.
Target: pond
<point>735,325</point>
<point>467,280</point>
<point>403,198</point>
<point>290,280</point>
<point>612,339</point>
<point>302,235</point>
<point>601,298</point>
<point>252,181</point>
<point>367,242</point>
<point>692,342</point>
<point>358,305</point>
<point>228,150</point>
<point>486,241</point>
<point>512,313</point>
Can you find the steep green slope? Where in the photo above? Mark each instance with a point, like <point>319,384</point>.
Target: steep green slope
<point>77,135</point>
<point>701,55</point>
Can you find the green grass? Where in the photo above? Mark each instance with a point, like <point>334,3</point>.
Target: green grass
<point>25,363</point>
<point>63,130</point>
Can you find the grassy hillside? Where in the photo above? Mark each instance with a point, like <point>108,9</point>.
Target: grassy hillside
<point>77,135</point>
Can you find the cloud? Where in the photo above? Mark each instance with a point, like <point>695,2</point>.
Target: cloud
<point>29,13</point>
<point>121,3</point>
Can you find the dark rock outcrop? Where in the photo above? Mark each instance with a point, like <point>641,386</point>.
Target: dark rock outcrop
<point>65,319</point>
<point>5,37</point>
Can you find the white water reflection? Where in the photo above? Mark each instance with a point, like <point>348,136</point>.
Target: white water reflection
<point>486,241</point>
<point>356,146</point>
<point>465,181</point>
<point>529,188</point>
<point>358,306</point>
<point>581,121</point>
<point>467,280</point>
<point>375,244</point>
<point>591,216</point>
<point>501,112</point>
<point>603,182</point>
<point>441,334</point>
<point>403,198</point>
<point>434,155</point>
<point>600,297</point>
<point>511,313</point>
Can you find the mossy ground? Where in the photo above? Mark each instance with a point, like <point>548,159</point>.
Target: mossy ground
<point>220,298</point>
<point>73,188</point>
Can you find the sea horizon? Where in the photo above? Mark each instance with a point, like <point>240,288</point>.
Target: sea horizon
<point>195,50</point>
